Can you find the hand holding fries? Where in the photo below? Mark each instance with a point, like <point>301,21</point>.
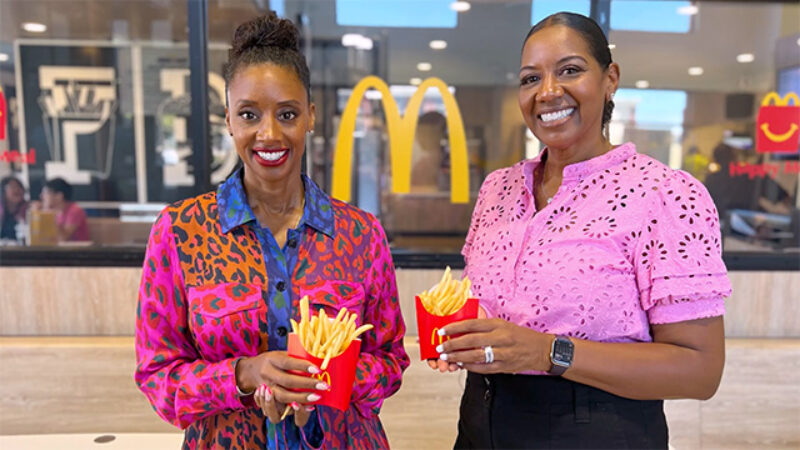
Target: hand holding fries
<point>447,296</point>
<point>332,343</point>
<point>309,372</point>
<point>276,377</point>
<point>447,302</point>
<point>324,337</point>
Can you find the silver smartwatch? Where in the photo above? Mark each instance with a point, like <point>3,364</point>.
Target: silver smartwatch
<point>561,352</point>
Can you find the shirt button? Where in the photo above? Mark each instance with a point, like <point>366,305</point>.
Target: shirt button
<point>281,286</point>
<point>292,243</point>
<point>487,396</point>
<point>282,331</point>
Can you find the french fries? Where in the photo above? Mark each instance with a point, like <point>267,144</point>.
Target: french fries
<point>326,337</point>
<point>447,296</point>
<point>323,336</point>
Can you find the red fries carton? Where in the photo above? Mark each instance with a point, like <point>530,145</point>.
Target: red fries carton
<point>428,326</point>
<point>339,375</point>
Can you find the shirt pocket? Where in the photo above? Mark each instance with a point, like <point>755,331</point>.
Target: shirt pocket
<point>333,295</point>
<point>224,319</point>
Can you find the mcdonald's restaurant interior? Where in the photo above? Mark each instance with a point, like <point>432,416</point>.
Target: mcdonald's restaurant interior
<point>105,94</point>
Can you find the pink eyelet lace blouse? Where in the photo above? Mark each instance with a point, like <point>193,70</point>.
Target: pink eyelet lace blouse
<point>625,243</point>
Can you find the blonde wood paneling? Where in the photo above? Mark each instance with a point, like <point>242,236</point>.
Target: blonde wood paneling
<point>85,385</point>
<point>71,301</point>
<point>763,304</point>
<point>87,301</point>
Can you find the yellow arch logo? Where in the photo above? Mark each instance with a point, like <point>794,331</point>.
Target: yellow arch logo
<point>324,377</point>
<point>435,336</point>
<point>401,137</point>
<point>774,97</point>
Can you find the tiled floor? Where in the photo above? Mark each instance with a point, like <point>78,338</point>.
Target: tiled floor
<point>121,441</point>
<point>756,407</point>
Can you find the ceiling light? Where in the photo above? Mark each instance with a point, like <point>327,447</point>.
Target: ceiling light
<point>798,42</point>
<point>351,39</point>
<point>424,66</point>
<point>364,44</point>
<point>460,6</point>
<point>356,40</point>
<point>438,45</point>
<point>3,57</point>
<point>695,71</point>
<point>642,84</point>
<point>745,58</point>
<point>33,27</point>
<point>612,46</point>
<point>689,10</point>
<point>416,81</point>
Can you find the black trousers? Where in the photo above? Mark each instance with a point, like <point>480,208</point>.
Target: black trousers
<point>538,412</point>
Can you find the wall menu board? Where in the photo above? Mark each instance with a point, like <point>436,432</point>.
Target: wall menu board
<point>111,119</point>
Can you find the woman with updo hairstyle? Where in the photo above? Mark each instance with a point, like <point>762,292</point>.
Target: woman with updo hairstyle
<point>598,270</point>
<point>225,271</point>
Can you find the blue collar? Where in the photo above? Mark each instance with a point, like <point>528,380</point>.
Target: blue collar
<point>234,209</point>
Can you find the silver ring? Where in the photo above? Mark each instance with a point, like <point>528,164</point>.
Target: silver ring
<point>488,354</point>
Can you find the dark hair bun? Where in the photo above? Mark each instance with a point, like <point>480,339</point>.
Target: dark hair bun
<point>267,39</point>
<point>265,31</point>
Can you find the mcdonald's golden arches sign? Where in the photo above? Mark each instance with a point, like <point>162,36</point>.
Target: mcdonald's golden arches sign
<point>401,137</point>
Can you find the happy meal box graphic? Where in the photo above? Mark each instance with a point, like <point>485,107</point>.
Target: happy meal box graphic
<point>447,302</point>
<point>331,344</point>
<point>778,124</point>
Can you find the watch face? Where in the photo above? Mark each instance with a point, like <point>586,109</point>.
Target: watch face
<point>562,351</point>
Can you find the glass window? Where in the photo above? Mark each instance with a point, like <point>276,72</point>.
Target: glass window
<point>388,13</point>
<point>102,100</point>
<point>543,8</point>
<point>661,16</point>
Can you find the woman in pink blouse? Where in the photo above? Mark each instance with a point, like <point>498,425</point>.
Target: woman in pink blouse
<point>599,269</point>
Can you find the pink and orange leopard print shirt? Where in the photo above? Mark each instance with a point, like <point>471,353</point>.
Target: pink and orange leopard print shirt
<point>213,291</point>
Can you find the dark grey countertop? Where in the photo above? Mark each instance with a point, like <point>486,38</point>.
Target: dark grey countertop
<point>132,256</point>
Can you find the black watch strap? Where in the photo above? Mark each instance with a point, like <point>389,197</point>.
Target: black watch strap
<point>561,353</point>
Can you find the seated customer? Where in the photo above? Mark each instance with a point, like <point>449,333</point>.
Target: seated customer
<point>12,207</point>
<point>71,219</point>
